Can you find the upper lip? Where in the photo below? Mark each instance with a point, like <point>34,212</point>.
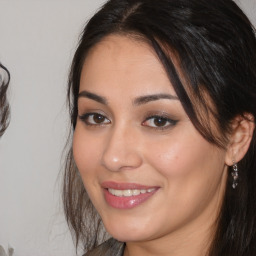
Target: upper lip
<point>124,186</point>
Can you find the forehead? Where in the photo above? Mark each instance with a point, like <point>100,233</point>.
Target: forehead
<point>121,61</point>
<point>130,48</point>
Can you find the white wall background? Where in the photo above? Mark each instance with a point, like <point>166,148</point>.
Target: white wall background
<point>37,41</point>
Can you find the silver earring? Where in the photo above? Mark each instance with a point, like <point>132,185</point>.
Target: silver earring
<point>234,174</point>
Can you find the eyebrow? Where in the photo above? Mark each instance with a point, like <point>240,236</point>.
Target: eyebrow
<point>148,98</point>
<point>137,101</point>
<point>93,96</point>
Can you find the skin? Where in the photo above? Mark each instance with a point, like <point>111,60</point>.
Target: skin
<point>126,146</point>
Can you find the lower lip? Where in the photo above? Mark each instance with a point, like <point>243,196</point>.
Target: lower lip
<point>128,202</point>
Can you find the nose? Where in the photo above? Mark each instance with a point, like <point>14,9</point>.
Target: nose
<point>121,150</point>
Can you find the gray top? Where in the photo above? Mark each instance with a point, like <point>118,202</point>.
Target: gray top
<point>109,248</point>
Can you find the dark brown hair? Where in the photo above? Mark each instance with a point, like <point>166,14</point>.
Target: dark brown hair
<point>4,106</point>
<point>215,45</point>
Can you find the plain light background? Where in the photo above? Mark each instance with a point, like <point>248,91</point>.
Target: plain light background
<point>37,42</point>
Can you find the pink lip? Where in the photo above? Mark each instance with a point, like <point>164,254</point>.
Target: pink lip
<point>122,202</point>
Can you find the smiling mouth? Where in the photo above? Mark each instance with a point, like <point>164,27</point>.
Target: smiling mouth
<point>126,195</point>
<point>129,192</point>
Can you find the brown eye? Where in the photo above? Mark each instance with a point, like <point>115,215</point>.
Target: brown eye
<point>94,119</point>
<point>98,119</point>
<point>159,122</point>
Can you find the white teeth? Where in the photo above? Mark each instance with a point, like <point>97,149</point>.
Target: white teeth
<point>135,192</point>
<point>129,192</point>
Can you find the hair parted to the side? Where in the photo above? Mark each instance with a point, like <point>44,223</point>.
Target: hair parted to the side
<point>4,105</point>
<point>208,49</point>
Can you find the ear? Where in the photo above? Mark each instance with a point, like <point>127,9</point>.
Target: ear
<point>240,138</point>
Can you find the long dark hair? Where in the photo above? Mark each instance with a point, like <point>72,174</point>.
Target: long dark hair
<point>215,46</point>
<point>4,106</point>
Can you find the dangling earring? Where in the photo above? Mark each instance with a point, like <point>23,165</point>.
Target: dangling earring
<point>234,175</point>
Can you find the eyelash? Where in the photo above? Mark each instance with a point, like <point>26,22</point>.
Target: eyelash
<point>86,116</point>
<point>168,122</point>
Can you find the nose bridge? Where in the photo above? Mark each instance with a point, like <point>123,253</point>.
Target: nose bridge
<point>121,149</point>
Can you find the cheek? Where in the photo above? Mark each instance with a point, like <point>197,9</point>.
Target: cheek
<point>192,174</point>
<point>86,151</point>
<point>187,163</point>
<point>172,157</point>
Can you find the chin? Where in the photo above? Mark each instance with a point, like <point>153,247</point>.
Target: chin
<point>125,237</point>
<point>127,232</point>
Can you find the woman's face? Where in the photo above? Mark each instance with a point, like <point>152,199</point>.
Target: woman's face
<point>147,170</point>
